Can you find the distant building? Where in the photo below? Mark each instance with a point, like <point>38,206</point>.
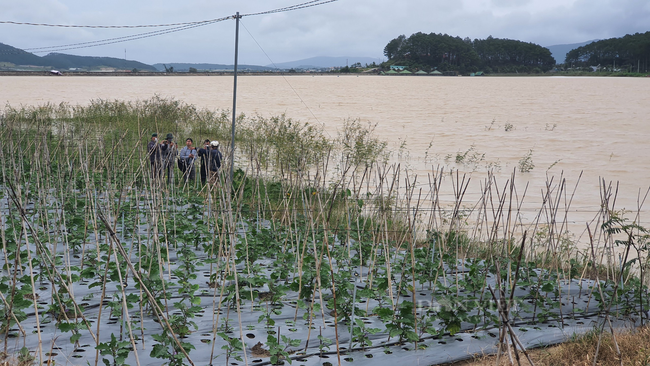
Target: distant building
<point>397,68</point>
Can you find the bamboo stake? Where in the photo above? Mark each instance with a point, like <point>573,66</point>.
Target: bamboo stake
<point>150,297</point>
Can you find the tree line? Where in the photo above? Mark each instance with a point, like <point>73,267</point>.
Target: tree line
<point>447,53</point>
<point>630,52</point>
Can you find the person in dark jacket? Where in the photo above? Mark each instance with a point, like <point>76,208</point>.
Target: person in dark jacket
<point>214,161</point>
<point>204,153</point>
<point>155,156</point>
<point>169,150</point>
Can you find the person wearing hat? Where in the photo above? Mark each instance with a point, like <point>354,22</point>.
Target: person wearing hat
<point>155,156</point>
<point>169,150</point>
<point>215,161</point>
<point>204,154</point>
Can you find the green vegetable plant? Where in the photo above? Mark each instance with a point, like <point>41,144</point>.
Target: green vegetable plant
<point>232,346</point>
<point>167,349</point>
<point>403,322</point>
<point>324,343</point>
<point>118,350</point>
<point>280,351</point>
<point>117,308</point>
<point>25,358</point>
<point>361,333</point>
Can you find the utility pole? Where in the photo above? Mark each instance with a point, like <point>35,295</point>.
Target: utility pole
<point>232,219</point>
<point>234,102</point>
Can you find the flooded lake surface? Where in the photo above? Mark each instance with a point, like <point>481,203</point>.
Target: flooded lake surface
<point>597,127</point>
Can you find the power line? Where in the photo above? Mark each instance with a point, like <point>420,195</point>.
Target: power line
<point>279,10</point>
<point>176,27</point>
<point>285,79</point>
<point>121,39</point>
<point>305,5</point>
<point>105,26</point>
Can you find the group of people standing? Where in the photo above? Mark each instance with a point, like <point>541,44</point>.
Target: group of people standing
<point>163,154</point>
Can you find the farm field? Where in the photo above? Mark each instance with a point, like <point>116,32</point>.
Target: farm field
<point>318,251</point>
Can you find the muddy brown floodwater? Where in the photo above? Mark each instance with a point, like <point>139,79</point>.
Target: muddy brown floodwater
<point>597,127</point>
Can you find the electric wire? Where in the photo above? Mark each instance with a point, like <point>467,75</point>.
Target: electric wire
<point>105,26</point>
<point>284,78</point>
<point>288,8</point>
<point>175,27</point>
<point>122,39</point>
<point>108,41</point>
<point>305,5</point>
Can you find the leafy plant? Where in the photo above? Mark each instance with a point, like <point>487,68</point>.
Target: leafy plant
<point>118,350</point>
<point>323,344</point>
<point>278,351</point>
<point>167,348</point>
<point>25,358</point>
<point>361,333</point>
<point>403,322</point>
<point>232,346</point>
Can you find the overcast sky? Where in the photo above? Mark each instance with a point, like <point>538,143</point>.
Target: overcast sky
<point>342,28</point>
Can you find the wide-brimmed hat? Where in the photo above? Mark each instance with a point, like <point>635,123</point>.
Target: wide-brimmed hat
<point>169,137</point>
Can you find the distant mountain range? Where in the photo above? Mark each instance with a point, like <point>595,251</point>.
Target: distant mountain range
<point>12,58</point>
<point>17,59</point>
<point>559,51</point>
<point>325,62</point>
<point>321,62</point>
<point>185,67</point>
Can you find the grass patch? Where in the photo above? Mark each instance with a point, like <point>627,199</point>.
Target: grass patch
<point>634,349</point>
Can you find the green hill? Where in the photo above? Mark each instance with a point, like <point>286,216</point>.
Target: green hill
<point>18,57</point>
<point>630,52</point>
<point>443,52</point>
<point>64,61</point>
